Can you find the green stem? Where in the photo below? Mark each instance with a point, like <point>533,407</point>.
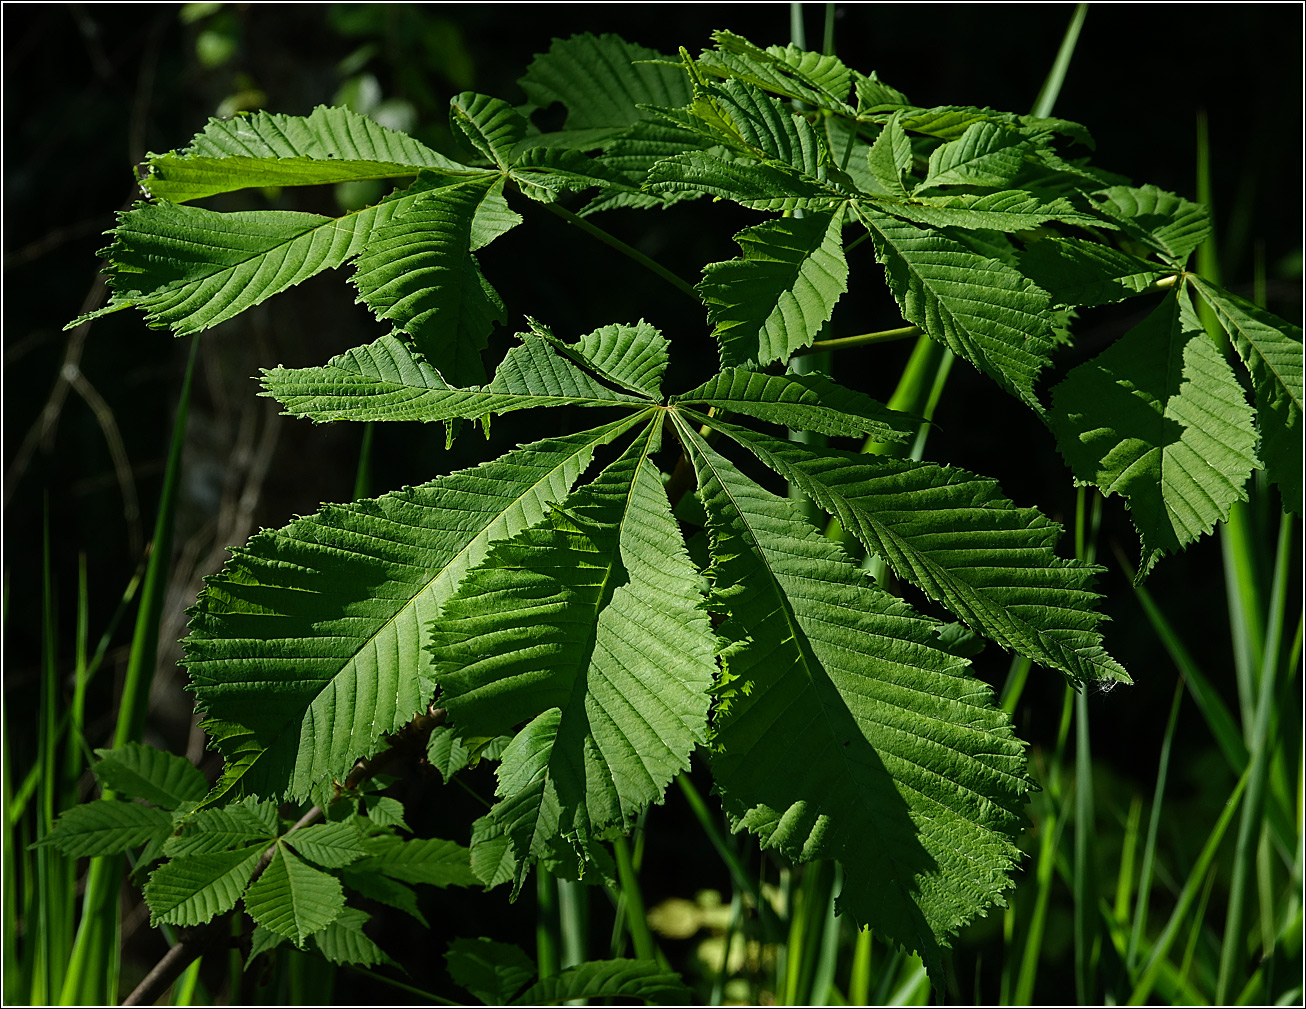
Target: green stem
<point>636,916</point>
<point>626,250</point>
<point>1047,96</point>
<point>861,340</point>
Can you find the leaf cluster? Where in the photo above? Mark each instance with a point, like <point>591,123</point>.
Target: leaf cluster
<point>550,600</point>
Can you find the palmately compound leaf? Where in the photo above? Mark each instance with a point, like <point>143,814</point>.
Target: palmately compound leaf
<point>106,827</point>
<point>492,971</point>
<point>589,627</point>
<point>954,536</point>
<point>775,299</point>
<point>645,980</point>
<point>419,272</point>
<point>976,305</point>
<point>1162,221</point>
<point>307,647</point>
<point>1159,417</point>
<point>197,888</point>
<point>890,157</point>
<point>1271,350</point>
<point>843,731</point>
<point>142,772</point>
<point>387,381</point>
<point>809,402</point>
<point>267,149</point>
<point>293,899</point>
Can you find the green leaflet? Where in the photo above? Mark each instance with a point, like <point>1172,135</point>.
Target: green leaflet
<point>632,357</point>
<point>775,299</point>
<point>1159,417</point>
<point>645,980</point>
<point>138,771</point>
<point>330,845</point>
<point>293,899</point>
<point>429,860</point>
<point>492,971</point>
<point>106,827</point>
<point>489,125</point>
<point>589,627</point>
<point>809,402</point>
<point>1272,352</point>
<point>418,270</point>
<point>1162,221</point>
<point>986,154</point>
<point>266,149</point>
<point>762,185</point>
<point>890,157</point>
<point>1078,272</point>
<point>843,731</point>
<point>951,534</point>
<point>192,890</point>
<point>307,647</point>
<point>975,305</point>
<point>189,269</point>
<point>821,81</point>
<point>1006,210</point>
<point>758,125</point>
<point>387,381</point>
<point>234,826</point>
<point>602,80</point>
<point>873,95</point>
<point>343,941</point>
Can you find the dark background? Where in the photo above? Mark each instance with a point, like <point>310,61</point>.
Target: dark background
<point>89,89</point>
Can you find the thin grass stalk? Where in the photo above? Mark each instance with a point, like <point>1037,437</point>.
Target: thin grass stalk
<point>636,915</point>
<point>733,926</point>
<point>1152,967</point>
<point>573,921</point>
<point>363,478</point>
<point>1049,839</point>
<point>828,955</point>
<point>1153,829</point>
<point>14,970</point>
<point>1047,95</point>
<point>548,942</point>
<point>93,966</point>
<point>859,977</point>
<point>1233,948</point>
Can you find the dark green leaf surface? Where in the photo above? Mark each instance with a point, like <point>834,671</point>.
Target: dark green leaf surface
<point>953,535</point>
<point>645,980</point>
<point>195,889</point>
<point>1271,350</point>
<point>142,772</point>
<point>1159,417</point>
<point>344,941</point>
<point>589,628</point>
<point>266,149</point>
<point>980,308</point>
<point>106,827</point>
<point>775,299</point>
<point>307,647</point>
<point>843,731</point>
<point>809,402</point>
<point>492,971</point>
<point>293,899</point>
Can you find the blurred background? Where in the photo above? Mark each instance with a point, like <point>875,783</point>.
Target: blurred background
<point>91,88</point>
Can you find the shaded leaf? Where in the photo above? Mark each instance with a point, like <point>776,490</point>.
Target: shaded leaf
<point>775,299</point>
<point>142,772</point>
<point>1159,417</point>
<point>106,827</point>
<point>1160,220</point>
<point>343,941</point>
<point>601,979</point>
<point>492,971</point>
